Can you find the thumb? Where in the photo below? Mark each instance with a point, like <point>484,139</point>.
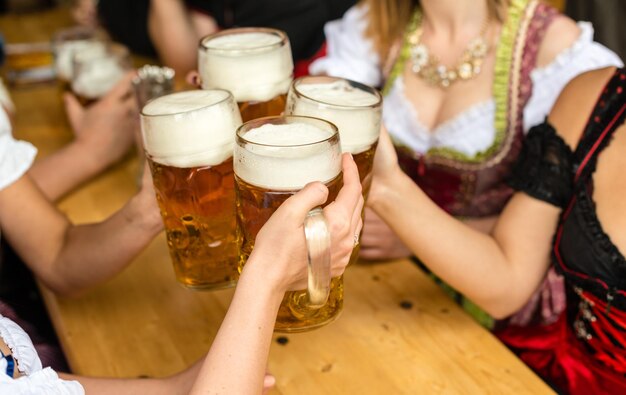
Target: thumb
<point>297,206</point>
<point>268,381</point>
<point>74,110</point>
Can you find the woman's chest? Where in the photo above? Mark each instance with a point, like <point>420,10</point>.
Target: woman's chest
<point>437,105</point>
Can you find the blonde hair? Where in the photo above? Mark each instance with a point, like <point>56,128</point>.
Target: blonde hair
<point>387,19</point>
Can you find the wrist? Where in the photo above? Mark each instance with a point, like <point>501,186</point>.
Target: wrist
<point>386,188</point>
<point>255,272</point>
<point>142,210</point>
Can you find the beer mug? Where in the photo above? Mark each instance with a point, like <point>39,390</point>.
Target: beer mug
<point>353,107</point>
<point>68,42</point>
<point>188,139</point>
<point>255,64</point>
<point>97,69</point>
<point>274,158</point>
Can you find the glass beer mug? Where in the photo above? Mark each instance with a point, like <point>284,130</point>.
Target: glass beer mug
<point>96,70</point>
<point>274,158</point>
<point>353,107</point>
<point>255,64</point>
<point>188,138</point>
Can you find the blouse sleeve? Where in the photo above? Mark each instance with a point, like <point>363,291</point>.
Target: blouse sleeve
<point>16,156</point>
<point>36,380</point>
<point>45,381</point>
<point>548,81</point>
<point>349,53</point>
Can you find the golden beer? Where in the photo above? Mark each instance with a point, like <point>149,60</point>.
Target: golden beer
<point>254,64</point>
<point>188,138</point>
<point>270,167</point>
<point>252,109</point>
<point>353,107</point>
<point>197,206</point>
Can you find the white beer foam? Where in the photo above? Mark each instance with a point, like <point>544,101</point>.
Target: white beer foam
<point>97,78</point>
<point>253,66</point>
<point>190,129</point>
<point>285,162</point>
<point>350,109</point>
<point>64,52</point>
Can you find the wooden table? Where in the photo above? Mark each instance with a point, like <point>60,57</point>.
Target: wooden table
<point>398,334</point>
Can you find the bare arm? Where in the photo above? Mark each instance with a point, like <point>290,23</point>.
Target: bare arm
<point>104,133</point>
<point>238,356</point>
<point>175,32</point>
<point>178,384</point>
<point>497,272</point>
<point>69,259</point>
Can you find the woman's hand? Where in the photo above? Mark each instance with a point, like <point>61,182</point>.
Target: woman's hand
<point>386,168</point>
<point>105,129</point>
<point>280,248</point>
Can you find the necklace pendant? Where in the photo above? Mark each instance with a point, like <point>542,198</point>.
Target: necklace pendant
<point>465,71</point>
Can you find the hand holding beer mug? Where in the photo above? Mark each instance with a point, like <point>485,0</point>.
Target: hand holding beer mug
<point>353,107</point>
<point>188,139</point>
<point>254,64</point>
<point>274,158</point>
<point>280,250</point>
<point>97,69</point>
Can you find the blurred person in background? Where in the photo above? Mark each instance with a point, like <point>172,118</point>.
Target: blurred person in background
<point>172,29</point>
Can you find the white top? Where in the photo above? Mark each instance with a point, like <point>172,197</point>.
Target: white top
<point>15,156</point>
<point>351,55</point>
<point>35,379</point>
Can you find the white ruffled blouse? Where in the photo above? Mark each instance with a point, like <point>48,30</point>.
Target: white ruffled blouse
<point>351,55</point>
<point>35,380</point>
<point>16,156</point>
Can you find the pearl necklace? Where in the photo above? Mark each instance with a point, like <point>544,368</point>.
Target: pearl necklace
<point>429,68</point>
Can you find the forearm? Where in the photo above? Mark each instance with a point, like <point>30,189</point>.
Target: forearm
<point>64,170</point>
<point>106,386</point>
<point>489,270</point>
<point>238,357</point>
<point>93,253</point>
<point>173,34</point>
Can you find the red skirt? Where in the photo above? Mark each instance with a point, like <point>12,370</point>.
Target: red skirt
<point>554,353</point>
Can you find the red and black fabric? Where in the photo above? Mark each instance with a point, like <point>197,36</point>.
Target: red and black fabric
<point>585,351</point>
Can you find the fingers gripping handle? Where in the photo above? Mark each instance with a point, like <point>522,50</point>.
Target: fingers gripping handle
<point>317,238</point>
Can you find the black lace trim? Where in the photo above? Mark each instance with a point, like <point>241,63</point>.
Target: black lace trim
<point>594,228</point>
<point>609,103</point>
<point>544,167</point>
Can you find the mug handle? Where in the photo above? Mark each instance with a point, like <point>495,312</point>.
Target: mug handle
<point>317,238</point>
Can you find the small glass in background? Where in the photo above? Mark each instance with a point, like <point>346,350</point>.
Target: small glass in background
<point>97,69</point>
<point>151,82</point>
<point>66,43</point>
